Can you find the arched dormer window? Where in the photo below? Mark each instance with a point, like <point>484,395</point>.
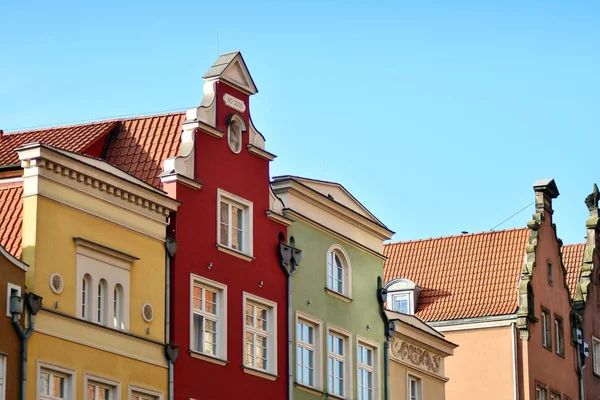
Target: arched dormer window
<point>101,305</point>
<point>339,271</point>
<point>403,296</point>
<point>235,127</point>
<point>86,296</point>
<point>118,307</point>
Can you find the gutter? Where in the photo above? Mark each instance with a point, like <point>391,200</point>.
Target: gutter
<point>389,329</point>
<point>515,367</point>
<point>171,248</point>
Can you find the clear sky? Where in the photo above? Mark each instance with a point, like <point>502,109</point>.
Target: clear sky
<point>437,115</point>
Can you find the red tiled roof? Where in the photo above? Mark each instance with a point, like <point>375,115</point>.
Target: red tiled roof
<point>143,143</point>
<point>76,138</point>
<point>463,276</point>
<point>11,217</point>
<point>572,256</point>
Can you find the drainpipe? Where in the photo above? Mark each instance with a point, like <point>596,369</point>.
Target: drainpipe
<point>33,303</point>
<point>515,371</point>
<point>389,332</point>
<point>171,246</point>
<point>289,256</point>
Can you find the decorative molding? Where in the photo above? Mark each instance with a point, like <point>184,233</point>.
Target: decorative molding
<point>92,177</point>
<point>88,244</point>
<point>256,138</point>
<point>147,312</point>
<point>257,151</point>
<point>184,180</point>
<point>56,283</point>
<point>235,103</point>
<point>417,356</point>
<point>273,216</point>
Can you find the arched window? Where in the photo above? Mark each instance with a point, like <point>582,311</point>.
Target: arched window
<point>118,307</point>
<point>86,291</point>
<point>101,302</point>
<point>338,271</point>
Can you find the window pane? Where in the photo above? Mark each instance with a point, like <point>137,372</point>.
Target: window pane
<point>91,392</point>
<point>197,339</point>
<point>249,348</point>
<point>210,337</point>
<point>236,231</point>
<point>45,383</point>
<point>299,332</point>
<point>211,301</point>
<point>299,368</point>
<point>197,296</point>
<point>249,315</point>
<point>261,322</point>
<point>261,352</point>
<point>58,386</point>
<point>308,334</point>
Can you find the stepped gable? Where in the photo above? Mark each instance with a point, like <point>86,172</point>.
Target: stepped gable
<point>463,276</point>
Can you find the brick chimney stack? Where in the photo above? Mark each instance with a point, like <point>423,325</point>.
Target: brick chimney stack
<point>545,190</point>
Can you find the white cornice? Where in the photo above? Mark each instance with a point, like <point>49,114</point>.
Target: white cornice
<point>184,180</point>
<point>474,323</point>
<point>39,161</point>
<point>257,151</point>
<point>317,199</point>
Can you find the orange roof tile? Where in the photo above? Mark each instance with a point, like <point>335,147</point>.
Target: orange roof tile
<point>465,276</point>
<point>572,256</point>
<point>11,217</point>
<point>76,138</point>
<point>143,143</point>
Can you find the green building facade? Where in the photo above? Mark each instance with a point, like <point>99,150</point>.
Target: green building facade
<point>338,331</point>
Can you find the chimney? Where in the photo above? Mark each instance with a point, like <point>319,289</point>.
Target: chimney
<point>545,190</point>
<point>1,134</point>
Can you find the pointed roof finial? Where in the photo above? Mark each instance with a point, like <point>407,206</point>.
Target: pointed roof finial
<point>592,200</point>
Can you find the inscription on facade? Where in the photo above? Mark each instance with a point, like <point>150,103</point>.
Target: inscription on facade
<point>416,355</point>
<point>234,103</point>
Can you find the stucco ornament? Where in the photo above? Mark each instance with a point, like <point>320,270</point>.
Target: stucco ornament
<point>235,136</point>
<point>416,355</point>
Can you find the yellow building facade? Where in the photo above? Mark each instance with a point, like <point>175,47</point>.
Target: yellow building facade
<point>417,359</point>
<point>94,237</point>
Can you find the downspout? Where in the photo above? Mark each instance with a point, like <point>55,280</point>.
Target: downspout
<point>34,304</point>
<point>389,327</point>
<point>171,247</point>
<point>515,371</point>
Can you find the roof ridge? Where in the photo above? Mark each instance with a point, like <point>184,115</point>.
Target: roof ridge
<point>96,122</point>
<point>453,236</point>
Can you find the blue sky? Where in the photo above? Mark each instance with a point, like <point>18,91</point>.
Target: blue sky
<point>437,115</point>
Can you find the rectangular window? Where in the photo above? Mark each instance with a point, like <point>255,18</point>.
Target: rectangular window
<point>550,277</point>
<point>209,315</point>
<point>541,393</point>
<point>141,396</point>
<point>596,355</point>
<point>139,393</point>
<point>559,335</point>
<point>401,303</point>
<point>546,330</point>
<point>53,385</point>
<point>337,364</point>
<point>99,391</point>
<point>305,353</point>
<point>260,327</point>
<point>415,390</point>
<point>234,222</point>
<point>366,371</point>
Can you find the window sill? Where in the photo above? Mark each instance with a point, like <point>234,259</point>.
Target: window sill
<point>208,358</point>
<point>334,396</point>
<point>308,389</point>
<point>547,348</point>
<point>338,295</point>
<point>561,354</point>
<point>259,373</point>
<point>234,253</point>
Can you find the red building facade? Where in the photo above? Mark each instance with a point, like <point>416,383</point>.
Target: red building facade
<point>228,290</point>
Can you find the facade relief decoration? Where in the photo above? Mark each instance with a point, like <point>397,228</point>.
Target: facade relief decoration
<point>417,356</point>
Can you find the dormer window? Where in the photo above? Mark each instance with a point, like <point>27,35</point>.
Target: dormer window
<point>403,296</point>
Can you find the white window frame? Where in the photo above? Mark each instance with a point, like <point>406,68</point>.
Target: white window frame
<point>546,319</point>
<point>2,376</point>
<point>559,335</point>
<point>408,295</point>
<point>419,384</point>
<point>271,307</point>
<point>247,222</point>
<point>137,390</point>
<point>68,374</point>
<point>221,291</point>
<point>596,355</point>
<point>375,368</point>
<point>347,360</point>
<point>114,386</point>
<point>347,271</point>
<point>101,302</point>
<point>542,390</point>
<point>317,349</point>
<point>9,288</point>
<point>112,267</point>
